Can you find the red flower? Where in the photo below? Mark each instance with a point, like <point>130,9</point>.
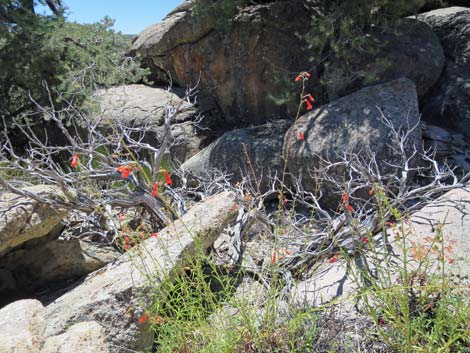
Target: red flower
<point>364,240</point>
<point>371,192</point>
<point>168,180</point>
<point>345,198</point>
<point>125,170</point>
<point>350,208</point>
<point>155,189</point>
<point>388,224</point>
<point>381,321</point>
<point>143,318</point>
<point>302,76</point>
<point>127,242</point>
<point>334,258</point>
<point>301,136</point>
<point>75,162</point>
<point>310,98</point>
<point>154,235</point>
<point>288,252</point>
<point>274,258</point>
<point>309,105</point>
<point>451,261</point>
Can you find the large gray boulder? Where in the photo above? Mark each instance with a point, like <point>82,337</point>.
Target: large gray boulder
<point>242,153</point>
<point>23,219</point>
<point>144,108</point>
<point>84,337</point>
<point>448,104</point>
<point>410,50</point>
<point>242,67</point>
<point>22,324</point>
<point>352,124</point>
<point>114,295</point>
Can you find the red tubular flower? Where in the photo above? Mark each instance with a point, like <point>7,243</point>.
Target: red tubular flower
<point>75,162</point>
<point>371,192</point>
<point>127,243</point>
<point>125,170</point>
<point>307,74</point>
<point>143,319</point>
<point>334,258</point>
<point>301,136</point>
<point>345,198</point>
<point>364,240</point>
<point>298,78</point>
<point>309,105</point>
<point>310,98</point>
<point>274,258</point>
<point>155,189</point>
<point>350,208</point>
<point>168,180</point>
<point>154,235</point>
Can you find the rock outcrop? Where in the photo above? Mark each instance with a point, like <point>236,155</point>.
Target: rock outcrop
<point>113,296</point>
<point>243,67</point>
<point>23,219</point>
<point>145,108</point>
<point>352,124</point>
<point>83,337</point>
<point>244,152</point>
<point>22,324</point>
<point>448,104</point>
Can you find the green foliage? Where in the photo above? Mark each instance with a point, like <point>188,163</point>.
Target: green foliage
<point>416,304</point>
<point>220,11</point>
<point>343,32</point>
<point>72,59</point>
<point>344,25</point>
<point>91,56</point>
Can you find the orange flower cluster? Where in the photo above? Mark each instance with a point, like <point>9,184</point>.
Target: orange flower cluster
<point>125,170</point>
<point>345,203</point>
<point>277,256</point>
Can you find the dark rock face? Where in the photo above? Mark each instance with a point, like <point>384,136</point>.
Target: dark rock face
<point>411,50</point>
<point>242,153</point>
<point>448,104</point>
<point>66,260</point>
<point>352,124</point>
<point>241,68</point>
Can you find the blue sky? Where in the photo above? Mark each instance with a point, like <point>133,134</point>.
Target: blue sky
<point>131,16</point>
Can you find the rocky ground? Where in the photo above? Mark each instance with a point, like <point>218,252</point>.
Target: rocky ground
<point>275,194</point>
